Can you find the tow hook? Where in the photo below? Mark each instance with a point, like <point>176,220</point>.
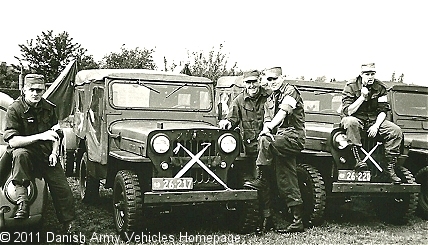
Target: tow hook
<point>3,210</point>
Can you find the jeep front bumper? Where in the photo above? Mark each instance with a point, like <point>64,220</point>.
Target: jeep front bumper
<point>367,187</point>
<point>198,196</point>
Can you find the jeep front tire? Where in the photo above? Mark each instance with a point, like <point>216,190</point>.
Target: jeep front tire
<point>398,208</point>
<point>422,178</point>
<point>247,217</point>
<point>312,190</point>
<point>127,203</point>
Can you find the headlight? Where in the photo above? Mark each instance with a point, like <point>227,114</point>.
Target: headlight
<point>227,143</point>
<point>160,143</point>
<point>340,141</point>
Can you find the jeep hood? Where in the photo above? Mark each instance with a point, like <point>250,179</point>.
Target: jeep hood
<point>416,140</point>
<point>139,130</point>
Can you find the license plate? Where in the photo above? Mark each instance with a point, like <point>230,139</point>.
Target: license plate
<point>351,175</point>
<point>160,184</point>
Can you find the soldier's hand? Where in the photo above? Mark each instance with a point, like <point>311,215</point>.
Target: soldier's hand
<point>225,124</point>
<point>365,92</point>
<point>266,131</point>
<point>49,135</point>
<point>53,159</point>
<point>372,131</point>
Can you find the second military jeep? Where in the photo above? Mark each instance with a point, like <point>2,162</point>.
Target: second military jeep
<point>152,137</point>
<point>327,162</point>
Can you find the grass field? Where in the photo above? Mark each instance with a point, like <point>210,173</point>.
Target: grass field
<point>354,224</point>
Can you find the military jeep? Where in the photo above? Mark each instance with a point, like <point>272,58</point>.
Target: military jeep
<point>152,138</point>
<point>410,112</point>
<point>327,162</point>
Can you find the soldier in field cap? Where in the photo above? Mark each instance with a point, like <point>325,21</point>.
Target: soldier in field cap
<point>34,81</point>
<point>364,107</point>
<point>273,72</point>
<point>368,67</point>
<point>247,112</point>
<point>281,139</point>
<point>32,133</point>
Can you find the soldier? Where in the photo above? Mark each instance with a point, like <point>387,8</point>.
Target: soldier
<point>246,111</point>
<point>30,125</point>
<point>282,137</point>
<point>364,106</point>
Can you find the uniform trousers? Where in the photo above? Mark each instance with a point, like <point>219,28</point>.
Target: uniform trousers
<point>390,133</point>
<point>279,157</point>
<point>26,164</point>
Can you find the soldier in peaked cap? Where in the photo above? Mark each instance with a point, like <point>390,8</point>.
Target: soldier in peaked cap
<point>246,112</point>
<point>32,133</point>
<point>281,139</point>
<point>364,107</point>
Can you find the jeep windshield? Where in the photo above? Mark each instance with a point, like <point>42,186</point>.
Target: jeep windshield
<point>321,101</point>
<point>411,104</point>
<point>160,96</point>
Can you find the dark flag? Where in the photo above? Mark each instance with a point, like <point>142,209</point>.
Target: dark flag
<point>61,92</point>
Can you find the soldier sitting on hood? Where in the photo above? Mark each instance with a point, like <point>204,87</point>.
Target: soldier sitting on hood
<point>364,106</point>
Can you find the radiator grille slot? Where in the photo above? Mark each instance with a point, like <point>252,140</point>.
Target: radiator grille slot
<point>200,176</point>
<point>369,143</point>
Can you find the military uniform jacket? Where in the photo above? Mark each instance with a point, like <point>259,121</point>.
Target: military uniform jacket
<point>295,120</point>
<point>377,99</point>
<point>247,113</point>
<point>23,120</point>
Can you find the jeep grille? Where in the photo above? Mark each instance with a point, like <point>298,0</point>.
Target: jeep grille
<point>195,141</point>
<point>369,143</point>
<point>195,146</point>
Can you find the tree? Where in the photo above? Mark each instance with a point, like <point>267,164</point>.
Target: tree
<point>8,76</point>
<point>211,65</point>
<point>48,54</point>
<point>321,79</point>
<point>400,78</point>
<point>129,59</point>
<point>393,79</point>
<point>87,62</point>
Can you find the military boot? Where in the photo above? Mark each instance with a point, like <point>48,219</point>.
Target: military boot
<point>359,164</point>
<point>23,208</point>
<point>267,224</point>
<point>392,161</point>
<point>297,224</point>
<point>260,181</point>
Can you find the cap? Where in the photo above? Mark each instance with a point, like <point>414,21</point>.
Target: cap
<point>251,75</point>
<point>368,67</point>
<point>34,81</point>
<point>273,72</point>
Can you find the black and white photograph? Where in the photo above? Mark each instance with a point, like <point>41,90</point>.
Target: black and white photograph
<point>213,122</point>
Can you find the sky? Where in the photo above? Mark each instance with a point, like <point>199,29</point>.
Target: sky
<point>310,38</point>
